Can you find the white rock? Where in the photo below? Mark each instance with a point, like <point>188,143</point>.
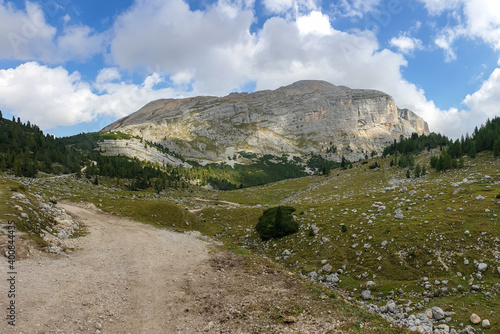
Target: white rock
<point>482,267</point>
<point>475,319</point>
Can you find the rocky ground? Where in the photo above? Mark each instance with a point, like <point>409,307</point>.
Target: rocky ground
<point>127,277</point>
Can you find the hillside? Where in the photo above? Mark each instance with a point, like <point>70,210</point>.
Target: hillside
<point>305,117</point>
<point>411,236</point>
<point>420,242</point>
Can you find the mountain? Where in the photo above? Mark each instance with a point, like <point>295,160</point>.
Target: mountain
<point>305,117</point>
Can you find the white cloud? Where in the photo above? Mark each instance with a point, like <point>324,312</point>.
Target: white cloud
<point>483,20</point>
<point>314,23</point>
<point>445,41</point>
<point>167,36</point>
<point>25,35</point>
<point>212,52</point>
<point>436,7</point>
<point>486,100</point>
<point>108,75</point>
<point>295,6</point>
<point>357,7</point>
<point>406,44</point>
<point>58,97</point>
<point>475,19</point>
<point>79,42</point>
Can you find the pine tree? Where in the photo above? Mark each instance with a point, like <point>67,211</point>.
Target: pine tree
<point>417,170</point>
<point>472,152</point>
<point>496,147</point>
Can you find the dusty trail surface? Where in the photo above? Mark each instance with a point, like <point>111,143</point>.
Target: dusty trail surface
<point>127,278</point>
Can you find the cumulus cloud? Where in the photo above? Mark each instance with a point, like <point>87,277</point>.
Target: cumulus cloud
<point>406,44</point>
<point>58,97</point>
<point>486,100</point>
<point>78,42</point>
<point>294,6</point>
<point>284,50</point>
<point>25,35</point>
<point>166,36</point>
<point>314,23</point>
<point>212,52</point>
<point>475,19</point>
<point>108,75</point>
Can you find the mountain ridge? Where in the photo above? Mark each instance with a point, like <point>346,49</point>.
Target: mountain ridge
<point>308,116</point>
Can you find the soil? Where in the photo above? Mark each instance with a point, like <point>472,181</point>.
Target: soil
<point>128,277</point>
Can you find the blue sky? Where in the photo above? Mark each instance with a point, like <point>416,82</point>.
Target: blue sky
<point>74,66</point>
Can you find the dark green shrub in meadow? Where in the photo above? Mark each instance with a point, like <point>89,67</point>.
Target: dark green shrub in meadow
<point>276,223</point>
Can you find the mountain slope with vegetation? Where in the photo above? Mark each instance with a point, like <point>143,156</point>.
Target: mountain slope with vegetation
<point>395,234</point>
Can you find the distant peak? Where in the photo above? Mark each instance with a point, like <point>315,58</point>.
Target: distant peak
<point>313,85</point>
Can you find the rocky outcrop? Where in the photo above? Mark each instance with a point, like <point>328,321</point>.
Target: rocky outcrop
<point>305,117</point>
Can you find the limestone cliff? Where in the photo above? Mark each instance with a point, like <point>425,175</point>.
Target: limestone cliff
<point>305,117</point>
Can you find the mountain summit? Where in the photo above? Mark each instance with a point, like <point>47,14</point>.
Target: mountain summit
<point>304,117</point>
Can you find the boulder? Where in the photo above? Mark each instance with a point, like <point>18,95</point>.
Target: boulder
<point>366,295</point>
<point>482,267</point>
<point>289,319</point>
<point>437,313</point>
<point>391,306</point>
<point>398,214</point>
<point>475,319</point>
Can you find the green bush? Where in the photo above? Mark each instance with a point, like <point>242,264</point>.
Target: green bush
<point>276,223</point>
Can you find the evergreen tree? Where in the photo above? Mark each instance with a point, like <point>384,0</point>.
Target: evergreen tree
<point>417,170</point>
<point>472,152</point>
<point>496,147</point>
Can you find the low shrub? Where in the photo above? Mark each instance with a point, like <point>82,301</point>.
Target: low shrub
<point>276,223</point>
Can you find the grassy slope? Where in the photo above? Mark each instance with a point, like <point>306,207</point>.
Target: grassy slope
<point>429,242</point>
<point>428,233</point>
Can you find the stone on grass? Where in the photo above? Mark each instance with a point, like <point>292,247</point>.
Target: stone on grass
<point>482,267</point>
<point>289,319</point>
<point>391,306</point>
<point>366,295</point>
<point>475,319</point>
<point>370,284</point>
<point>437,313</point>
<point>486,323</point>
<point>398,214</point>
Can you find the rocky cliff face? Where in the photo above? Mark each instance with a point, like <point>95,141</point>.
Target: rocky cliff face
<point>305,117</point>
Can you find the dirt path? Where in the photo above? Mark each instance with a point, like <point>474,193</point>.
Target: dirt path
<point>216,201</point>
<point>127,278</point>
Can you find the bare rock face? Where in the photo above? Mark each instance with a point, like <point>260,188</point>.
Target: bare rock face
<point>305,117</point>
